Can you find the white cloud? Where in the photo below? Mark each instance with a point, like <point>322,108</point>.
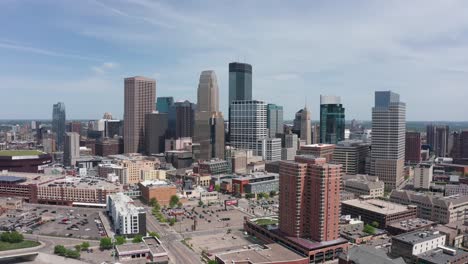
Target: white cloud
<point>103,68</point>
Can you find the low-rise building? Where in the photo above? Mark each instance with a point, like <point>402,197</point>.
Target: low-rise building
<point>150,249</point>
<point>318,150</point>
<point>151,175</point>
<point>410,245</point>
<point>214,167</point>
<point>443,254</point>
<point>364,185</point>
<point>267,254</point>
<point>127,219</point>
<point>410,225</point>
<point>439,209</point>
<point>161,190</point>
<point>453,189</point>
<point>367,255</point>
<point>379,211</point>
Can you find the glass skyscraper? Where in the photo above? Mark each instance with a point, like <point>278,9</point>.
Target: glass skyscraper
<point>163,104</point>
<point>240,82</point>
<point>274,120</point>
<point>58,123</point>
<point>332,120</point>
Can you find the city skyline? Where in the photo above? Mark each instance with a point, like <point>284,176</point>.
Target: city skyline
<point>82,60</point>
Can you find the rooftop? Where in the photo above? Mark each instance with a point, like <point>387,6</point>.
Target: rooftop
<point>318,146</point>
<point>377,206</point>
<point>418,236</point>
<point>20,152</point>
<point>370,255</point>
<point>258,254</point>
<point>444,255</point>
<point>411,224</point>
<point>154,183</point>
<point>124,204</point>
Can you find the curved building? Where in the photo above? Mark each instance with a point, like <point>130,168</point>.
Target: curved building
<point>24,160</point>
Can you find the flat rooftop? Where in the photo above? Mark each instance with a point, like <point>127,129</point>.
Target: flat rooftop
<point>418,236</point>
<point>20,152</point>
<point>154,245</point>
<point>155,183</point>
<point>440,255</point>
<point>377,206</point>
<point>411,224</point>
<point>318,146</point>
<point>258,254</point>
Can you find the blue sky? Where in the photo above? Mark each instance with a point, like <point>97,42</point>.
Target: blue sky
<point>79,52</point>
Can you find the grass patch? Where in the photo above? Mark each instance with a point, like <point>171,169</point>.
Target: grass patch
<point>24,244</point>
<point>266,221</point>
<point>20,152</point>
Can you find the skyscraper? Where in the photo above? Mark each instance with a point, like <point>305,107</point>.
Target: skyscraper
<point>274,120</point>
<point>139,98</point>
<point>388,138</point>
<point>413,147</point>
<point>155,134</point>
<point>181,119</point>
<point>208,120</point>
<point>306,130</point>
<point>58,123</point>
<point>240,82</point>
<point>163,104</point>
<point>309,198</point>
<point>71,150</point>
<point>332,119</point>
<point>438,138</point>
<point>248,123</point>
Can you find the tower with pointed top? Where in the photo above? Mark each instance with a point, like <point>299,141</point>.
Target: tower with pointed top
<point>306,131</point>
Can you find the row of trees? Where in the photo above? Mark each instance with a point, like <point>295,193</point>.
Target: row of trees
<point>71,253</point>
<point>156,211</point>
<point>11,237</point>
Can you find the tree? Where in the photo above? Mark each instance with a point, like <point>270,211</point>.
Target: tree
<point>200,204</point>
<point>369,229</point>
<point>120,240</point>
<point>212,261</point>
<point>172,221</point>
<point>78,247</point>
<point>375,224</point>
<point>60,250</point>
<point>154,234</point>
<point>137,239</point>
<point>72,254</point>
<point>272,194</point>
<point>249,195</point>
<point>173,201</point>
<point>105,243</point>
<point>179,205</point>
<point>11,237</point>
<point>152,202</point>
<point>85,245</point>
<point>217,187</point>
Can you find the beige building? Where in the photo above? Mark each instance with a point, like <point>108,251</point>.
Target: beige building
<point>139,98</point>
<point>364,185</point>
<point>134,168</point>
<point>151,175</point>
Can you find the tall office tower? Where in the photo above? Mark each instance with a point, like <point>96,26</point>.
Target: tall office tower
<point>460,147</point>
<point>309,199</point>
<point>413,147</point>
<point>290,145</point>
<point>181,119</point>
<point>139,98</point>
<point>71,150</point>
<point>352,155</point>
<point>274,120</point>
<point>269,149</point>
<point>240,84</point>
<point>113,128</point>
<point>217,135</point>
<point>306,130</point>
<point>438,138</point>
<point>155,134</point>
<point>208,119</point>
<point>332,119</point>
<point>163,104</point>
<point>248,123</point>
<point>58,123</point>
<point>296,128</point>
<point>316,134</point>
<point>388,138</point>
<point>73,126</point>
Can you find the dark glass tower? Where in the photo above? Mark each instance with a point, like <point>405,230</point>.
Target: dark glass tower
<point>163,104</point>
<point>240,82</point>
<point>332,120</point>
<point>58,123</point>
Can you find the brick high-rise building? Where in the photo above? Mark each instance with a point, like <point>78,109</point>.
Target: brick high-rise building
<point>309,201</point>
<point>438,138</point>
<point>460,146</point>
<point>139,98</point>
<point>413,147</point>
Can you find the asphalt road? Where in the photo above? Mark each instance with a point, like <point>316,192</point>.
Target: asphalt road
<point>178,252</point>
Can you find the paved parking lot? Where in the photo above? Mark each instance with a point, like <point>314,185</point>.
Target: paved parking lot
<point>69,222</point>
